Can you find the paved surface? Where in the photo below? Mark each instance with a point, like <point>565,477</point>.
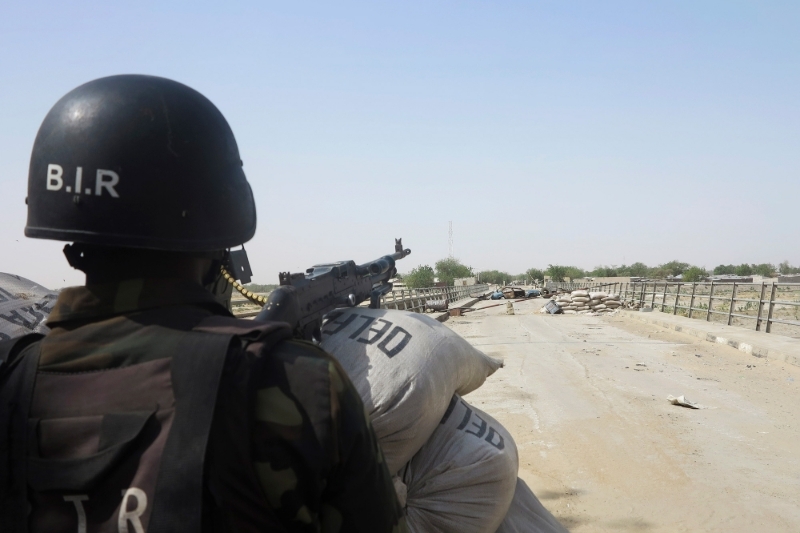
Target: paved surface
<point>605,451</point>
<point>757,343</point>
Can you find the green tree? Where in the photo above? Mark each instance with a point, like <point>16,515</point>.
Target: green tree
<point>724,269</point>
<point>786,268</point>
<point>639,270</point>
<point>744,270</point>
<point>674,268</point>
<point>764,269</point>
<point>535,274</point>
<point>451,268</point>
<point>556,272</point>
<point>604,272</point>
<point>494,276</point>
<point>694,273</point>
<point>575,272</point>
<point>419,277</point>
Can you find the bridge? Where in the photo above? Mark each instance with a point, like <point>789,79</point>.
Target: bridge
<point>586,399</point>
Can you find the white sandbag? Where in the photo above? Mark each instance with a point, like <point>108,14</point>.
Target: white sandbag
<point>597,295</point>
<point>406,368</point>
<point>599,306</point>
<point>580,299</point>
<point>611,297</point>
<point>464,478</point>
<point>612,303</point>
<point>579,293</point>
<point>528,515</point>
<point>24,306</point>
<point>570,312</point>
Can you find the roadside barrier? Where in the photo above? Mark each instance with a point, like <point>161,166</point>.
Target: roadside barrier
<point>769,307</point>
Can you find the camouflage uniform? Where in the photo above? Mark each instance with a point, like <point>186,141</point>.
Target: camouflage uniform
<point>311,446</point>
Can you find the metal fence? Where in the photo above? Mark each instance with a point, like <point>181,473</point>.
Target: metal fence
<point>402,299</point>
<point>768,307</point>
<point>414,299</point>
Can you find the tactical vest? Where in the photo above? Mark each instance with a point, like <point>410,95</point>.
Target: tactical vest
<point>123,449</point>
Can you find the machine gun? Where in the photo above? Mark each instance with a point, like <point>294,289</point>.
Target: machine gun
<point>302,299</point>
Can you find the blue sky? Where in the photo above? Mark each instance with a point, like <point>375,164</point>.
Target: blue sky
<point>582,133</point>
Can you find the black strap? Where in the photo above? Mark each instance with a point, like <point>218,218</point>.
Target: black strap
<point>17,377</point>
<point>196,371</point>
<point>11,347</point>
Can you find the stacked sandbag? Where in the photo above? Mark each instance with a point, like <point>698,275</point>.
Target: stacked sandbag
<point>528,515</point>
<point>464,478</point>
<point>565,302</point>
<point>24,306</point>
<point>612,302</point>
<point>581,301</point>
<point>406,368</point>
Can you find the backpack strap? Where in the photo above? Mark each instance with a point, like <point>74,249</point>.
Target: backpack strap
<point>19,360</point>
<point>197,368</point>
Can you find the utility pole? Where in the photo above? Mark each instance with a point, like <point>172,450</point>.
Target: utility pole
<point>450,241</point>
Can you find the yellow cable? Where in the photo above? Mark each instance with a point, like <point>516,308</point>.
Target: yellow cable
<point>256,299</point>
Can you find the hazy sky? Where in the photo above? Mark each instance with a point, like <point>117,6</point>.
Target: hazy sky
<point>572,132</point>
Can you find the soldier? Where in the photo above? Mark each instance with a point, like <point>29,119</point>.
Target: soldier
<point>148,407</point>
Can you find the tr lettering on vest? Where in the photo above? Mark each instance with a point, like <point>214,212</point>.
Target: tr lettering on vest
<point>133,506</point>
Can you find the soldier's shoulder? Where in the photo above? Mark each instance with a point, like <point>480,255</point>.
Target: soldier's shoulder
<point>305,368</point>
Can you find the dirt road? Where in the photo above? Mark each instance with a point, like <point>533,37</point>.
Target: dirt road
<point>585,398</point>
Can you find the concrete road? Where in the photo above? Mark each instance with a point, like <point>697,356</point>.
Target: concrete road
<point>585,399</point>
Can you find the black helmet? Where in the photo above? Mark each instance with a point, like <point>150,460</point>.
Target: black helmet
<point>138,161</point>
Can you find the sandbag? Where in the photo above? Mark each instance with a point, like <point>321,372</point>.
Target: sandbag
<point>528,515</point>
<point>570,312</point>
<point>579,293</point>
<point>611,297</point>
<point>24,306</point>
<point>406,368</point>
<point>599,307</point>
<point>581,299</point>
<point>597,295</point>
<point>464,478</point>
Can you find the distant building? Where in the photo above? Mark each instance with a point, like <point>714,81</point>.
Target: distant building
<point>460,282</point>
<point>789,278</point>
<point>731,278</point>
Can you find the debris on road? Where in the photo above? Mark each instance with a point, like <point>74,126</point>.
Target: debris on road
<point>509,293</point>
<point>552,308</point>
<point>682,401</point>
<point>436,305</point>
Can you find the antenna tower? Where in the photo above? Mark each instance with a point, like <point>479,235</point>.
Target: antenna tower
<point>450,241</point>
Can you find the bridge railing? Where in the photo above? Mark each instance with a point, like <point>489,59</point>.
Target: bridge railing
<point>768,307</point>
<point>402,299</point>
<point>414,299</point>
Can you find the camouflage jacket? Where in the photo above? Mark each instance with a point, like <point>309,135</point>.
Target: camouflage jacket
<point>313,450</point>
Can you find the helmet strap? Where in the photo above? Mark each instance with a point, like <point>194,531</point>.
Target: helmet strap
<point>75,256</point>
